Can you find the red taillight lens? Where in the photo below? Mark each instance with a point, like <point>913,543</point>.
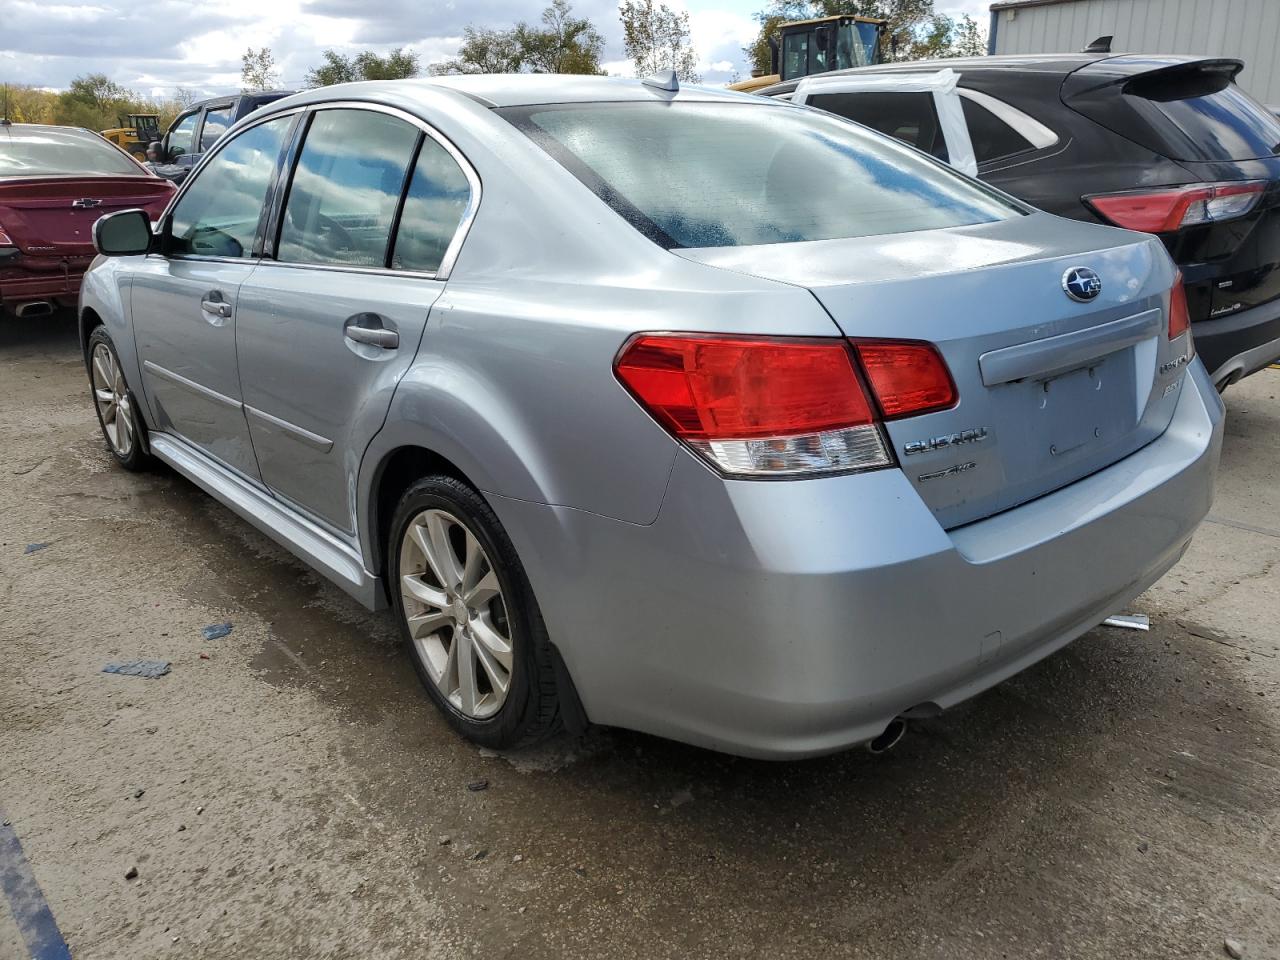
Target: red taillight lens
<point>1179,316</point>
<point>907,378</point>
<point>757,405</point>
<point>1163,211</point>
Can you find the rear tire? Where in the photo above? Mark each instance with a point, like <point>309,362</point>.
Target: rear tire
<point>469,618</point>
<point>115,404</point>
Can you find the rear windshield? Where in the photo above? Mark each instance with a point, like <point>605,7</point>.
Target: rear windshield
<point>1222,124</point>
<point>54,153</point>
<point>737,174</point>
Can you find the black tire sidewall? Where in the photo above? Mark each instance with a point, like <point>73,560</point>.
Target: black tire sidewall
<point>510,725</point>
<point>137,458</point>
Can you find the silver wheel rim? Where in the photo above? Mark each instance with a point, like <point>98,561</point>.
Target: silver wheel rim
<point>112,398</point>
<point>456,613</point>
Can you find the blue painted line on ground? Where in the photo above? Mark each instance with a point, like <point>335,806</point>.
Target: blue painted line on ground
<point>27,904</point>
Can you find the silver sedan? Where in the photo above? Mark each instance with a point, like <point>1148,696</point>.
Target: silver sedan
<point>673,409</point>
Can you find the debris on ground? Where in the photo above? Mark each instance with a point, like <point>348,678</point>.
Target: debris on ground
<point>444,841</point>
<point>475,786</point>
<point>1129,621</point>
<point>147,669</point>
<point>1234,948</point>
<point>681,797</point>
<point>216,631</point>
<point>131,873</point>
<point>479,854</point>
<point>137,794</point>
<point>33,547</point>
<point>204,656</point>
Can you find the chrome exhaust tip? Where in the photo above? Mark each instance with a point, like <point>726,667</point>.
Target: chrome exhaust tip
<point>889,737</point>
<point>33,308</point>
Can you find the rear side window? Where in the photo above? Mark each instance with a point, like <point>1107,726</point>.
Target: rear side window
<point>733,174</point>
<point>434,206</point>
<point>54,153</point>
<point>215,125</point>
<point>910,116</point>
<point>218,214</point>
<point>346,187</point>
<point>992,137</point>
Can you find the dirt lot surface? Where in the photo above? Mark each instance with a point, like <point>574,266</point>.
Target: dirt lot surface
<point>295,795</point>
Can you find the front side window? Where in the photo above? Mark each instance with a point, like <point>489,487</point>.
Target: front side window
<point>181,134</point>
<point>218,214</point>
<point>215,125</point>
<point>433,208</point>
<point>346,187</point>
<point>795,55</point>
<point>734,174</point>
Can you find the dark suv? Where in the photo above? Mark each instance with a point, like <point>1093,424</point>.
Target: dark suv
<point>202,125</point>
<point>1164,144</point>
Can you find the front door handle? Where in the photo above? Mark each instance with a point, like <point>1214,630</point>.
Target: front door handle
<point>367,328</point>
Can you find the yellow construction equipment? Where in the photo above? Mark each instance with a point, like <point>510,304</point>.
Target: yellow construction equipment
<point>802,48</point>
<point>135,132</point>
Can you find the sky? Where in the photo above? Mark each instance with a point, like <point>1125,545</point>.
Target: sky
<point>156,46</point>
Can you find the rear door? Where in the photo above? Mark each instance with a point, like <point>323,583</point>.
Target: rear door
<point>327,327</point>
<point>184,299</point>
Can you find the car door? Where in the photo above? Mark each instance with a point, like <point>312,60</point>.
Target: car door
<point>183,298</point>
<point>326,328</point>
<point>924,110</point>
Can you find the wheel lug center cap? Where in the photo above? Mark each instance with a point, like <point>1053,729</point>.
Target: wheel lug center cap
<point>459,611</point>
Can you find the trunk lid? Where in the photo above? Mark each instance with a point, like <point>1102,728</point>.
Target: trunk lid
<point>1050,389</point>
<point>54,216</point>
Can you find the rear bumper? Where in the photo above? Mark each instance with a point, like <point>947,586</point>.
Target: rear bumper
<point>20,283</point>
<point>788,619</point>
<point>1240,344</point>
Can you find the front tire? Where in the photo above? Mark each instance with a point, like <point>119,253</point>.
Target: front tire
<point>115,404</point>
<point>469,618</point>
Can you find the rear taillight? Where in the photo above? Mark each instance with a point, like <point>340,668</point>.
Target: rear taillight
<point>1179,316</point>
<point>1163,211</point>
<point>907,377</point>
<point>768,406</point>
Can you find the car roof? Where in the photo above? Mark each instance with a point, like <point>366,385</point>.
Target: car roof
<point>524,89</point>
<point>20,131</point>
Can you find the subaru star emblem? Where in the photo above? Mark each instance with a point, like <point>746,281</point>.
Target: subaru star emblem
<point>1081,284</point>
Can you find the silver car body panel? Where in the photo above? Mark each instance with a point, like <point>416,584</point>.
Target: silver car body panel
<point>772,618</point>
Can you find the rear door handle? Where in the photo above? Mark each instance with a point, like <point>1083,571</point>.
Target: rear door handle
<point>367,328</point>
<point>213,303</point>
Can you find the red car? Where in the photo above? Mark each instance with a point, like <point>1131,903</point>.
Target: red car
<point>54,183</point>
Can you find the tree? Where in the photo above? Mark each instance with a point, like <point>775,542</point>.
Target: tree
<point>484,51</point>
<point>93,101</point>
<point>399,64</point>
<point>967,38</point>
<point>656,38</point>
<point>564,44</point>
<point>258,70</point>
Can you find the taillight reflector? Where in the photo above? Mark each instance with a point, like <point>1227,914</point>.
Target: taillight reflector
<point>1163,211</point>
<point>1179,316</point>
<point>907,378</point>
<point>5,239</point>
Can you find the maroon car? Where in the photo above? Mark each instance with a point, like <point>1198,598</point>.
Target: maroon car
<point>54,183</point>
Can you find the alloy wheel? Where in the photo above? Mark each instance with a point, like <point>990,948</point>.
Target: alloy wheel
<point>112,398</point>
<point>456,613</point>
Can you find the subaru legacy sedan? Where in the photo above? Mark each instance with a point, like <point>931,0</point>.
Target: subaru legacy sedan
<point>678,410</point>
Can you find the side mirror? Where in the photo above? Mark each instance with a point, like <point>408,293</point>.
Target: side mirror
<point>123,234</point>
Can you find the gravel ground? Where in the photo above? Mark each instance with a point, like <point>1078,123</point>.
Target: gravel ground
<point>300,797</point>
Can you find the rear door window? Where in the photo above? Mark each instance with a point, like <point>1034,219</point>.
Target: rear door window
<point>434,206</point>
<point>346,188</point>
<point>909,116</point>
<point>216,122</point>
<point>992,138</point>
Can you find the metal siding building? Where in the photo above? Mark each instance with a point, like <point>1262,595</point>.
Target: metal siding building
<point>1247,30</point>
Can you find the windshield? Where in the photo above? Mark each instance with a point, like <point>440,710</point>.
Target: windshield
<point>59,153</point>
<point>735,174</point>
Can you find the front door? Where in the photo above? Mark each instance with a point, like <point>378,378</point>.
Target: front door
<point>184,298</point>
<point>327,329</point>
